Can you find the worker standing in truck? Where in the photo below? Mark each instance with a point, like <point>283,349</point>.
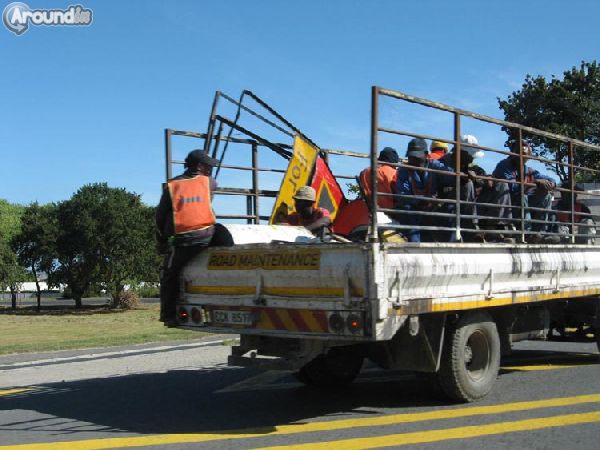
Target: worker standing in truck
<point>311,217</point>
<point>185,219</point>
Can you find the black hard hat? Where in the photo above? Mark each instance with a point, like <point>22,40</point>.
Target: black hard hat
<point>197,156</point>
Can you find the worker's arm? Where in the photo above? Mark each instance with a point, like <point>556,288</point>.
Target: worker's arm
<point>323,222</point>
<point>163,213</point>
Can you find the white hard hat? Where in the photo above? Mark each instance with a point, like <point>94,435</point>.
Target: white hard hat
<point>471,140</point>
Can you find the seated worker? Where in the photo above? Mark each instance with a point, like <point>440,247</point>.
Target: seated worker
<point>386,178</point>
<point>447,188</point>
<point>437,150</point>
<point>563,215</point>
<point>419,183</point>
<point>509,193</point>
<point>312,218</point>
<point>189,226</point>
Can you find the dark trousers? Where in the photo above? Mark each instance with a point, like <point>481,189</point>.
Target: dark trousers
<point>176,260</point>
<point>169,283</point>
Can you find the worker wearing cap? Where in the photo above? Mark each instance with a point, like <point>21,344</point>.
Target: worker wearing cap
<point>386,178</point>
<point>412,181</point>
<point>311,217</point>
<point>184,217</point>
<point>509,193</point>
<point>437,150</point>
<point>447,190</point>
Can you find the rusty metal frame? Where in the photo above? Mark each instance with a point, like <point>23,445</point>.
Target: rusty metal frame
<point>458,113</point>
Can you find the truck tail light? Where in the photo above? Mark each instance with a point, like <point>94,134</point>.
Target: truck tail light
<point>183,315</point>
<point>354,323</point>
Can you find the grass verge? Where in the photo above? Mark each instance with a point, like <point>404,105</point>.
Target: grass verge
<point>27,330</point>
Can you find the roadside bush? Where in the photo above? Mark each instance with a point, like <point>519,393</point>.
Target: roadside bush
<point>128,300</point>
<point>148,291</point>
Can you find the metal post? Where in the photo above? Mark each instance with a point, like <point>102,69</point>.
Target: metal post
<point>572,193</point>
<point>249,211</point>
<point>373,236</point>
<point>522,182</point>
<point>457,150</point>
<point>169,172</point>
<point>255,182</point>
<point>211,122</point>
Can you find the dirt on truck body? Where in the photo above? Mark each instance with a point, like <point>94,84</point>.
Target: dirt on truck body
<point>320,306</point>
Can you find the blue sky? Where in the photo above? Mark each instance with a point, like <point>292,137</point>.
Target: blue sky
<point>90,104</point>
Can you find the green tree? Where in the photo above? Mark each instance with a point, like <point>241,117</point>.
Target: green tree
<point>10,219</point>
<point>105,236</point>
<point>11,274</point>
<point>569,106</point>
<point>35,244</point>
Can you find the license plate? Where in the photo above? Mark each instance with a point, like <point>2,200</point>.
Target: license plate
<point>229,317</point>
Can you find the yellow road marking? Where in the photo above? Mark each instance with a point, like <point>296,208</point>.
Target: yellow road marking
<point>393,419</point>
<point>4,392</point>
<point>421,437</point>
<point>546,367</point>
<point>557,362</point>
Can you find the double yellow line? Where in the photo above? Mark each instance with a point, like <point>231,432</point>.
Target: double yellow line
<point>362,443</point>
<point>7,392</point>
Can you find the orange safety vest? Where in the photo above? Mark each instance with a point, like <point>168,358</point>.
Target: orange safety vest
<point>386,179</point>
<point>192,208</point>
<point>435,155</point>
<point>565,216</point>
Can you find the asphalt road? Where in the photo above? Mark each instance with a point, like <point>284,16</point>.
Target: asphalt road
<point>185,397</point>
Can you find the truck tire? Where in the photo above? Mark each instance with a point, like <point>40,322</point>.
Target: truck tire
<point>470,357</point>
<point>339,367</point>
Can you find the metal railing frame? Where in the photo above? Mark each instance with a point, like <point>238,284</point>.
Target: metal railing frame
<point>458,113</point>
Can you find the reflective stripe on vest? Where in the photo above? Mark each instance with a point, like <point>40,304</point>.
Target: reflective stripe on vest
<point>192,209</point>
<point>565,216</point>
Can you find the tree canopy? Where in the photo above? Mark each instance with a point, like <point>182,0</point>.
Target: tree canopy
<point>11,274</point>
<point>105,236</point>
<point>35,244</point>
<point>569,106</point>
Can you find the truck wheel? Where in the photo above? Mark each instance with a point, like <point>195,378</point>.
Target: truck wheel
<point>339,367</point>
<point>470,358</point>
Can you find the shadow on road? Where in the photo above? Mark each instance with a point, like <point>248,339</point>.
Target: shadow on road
<point>186,401</point>
<point>189,401</point>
